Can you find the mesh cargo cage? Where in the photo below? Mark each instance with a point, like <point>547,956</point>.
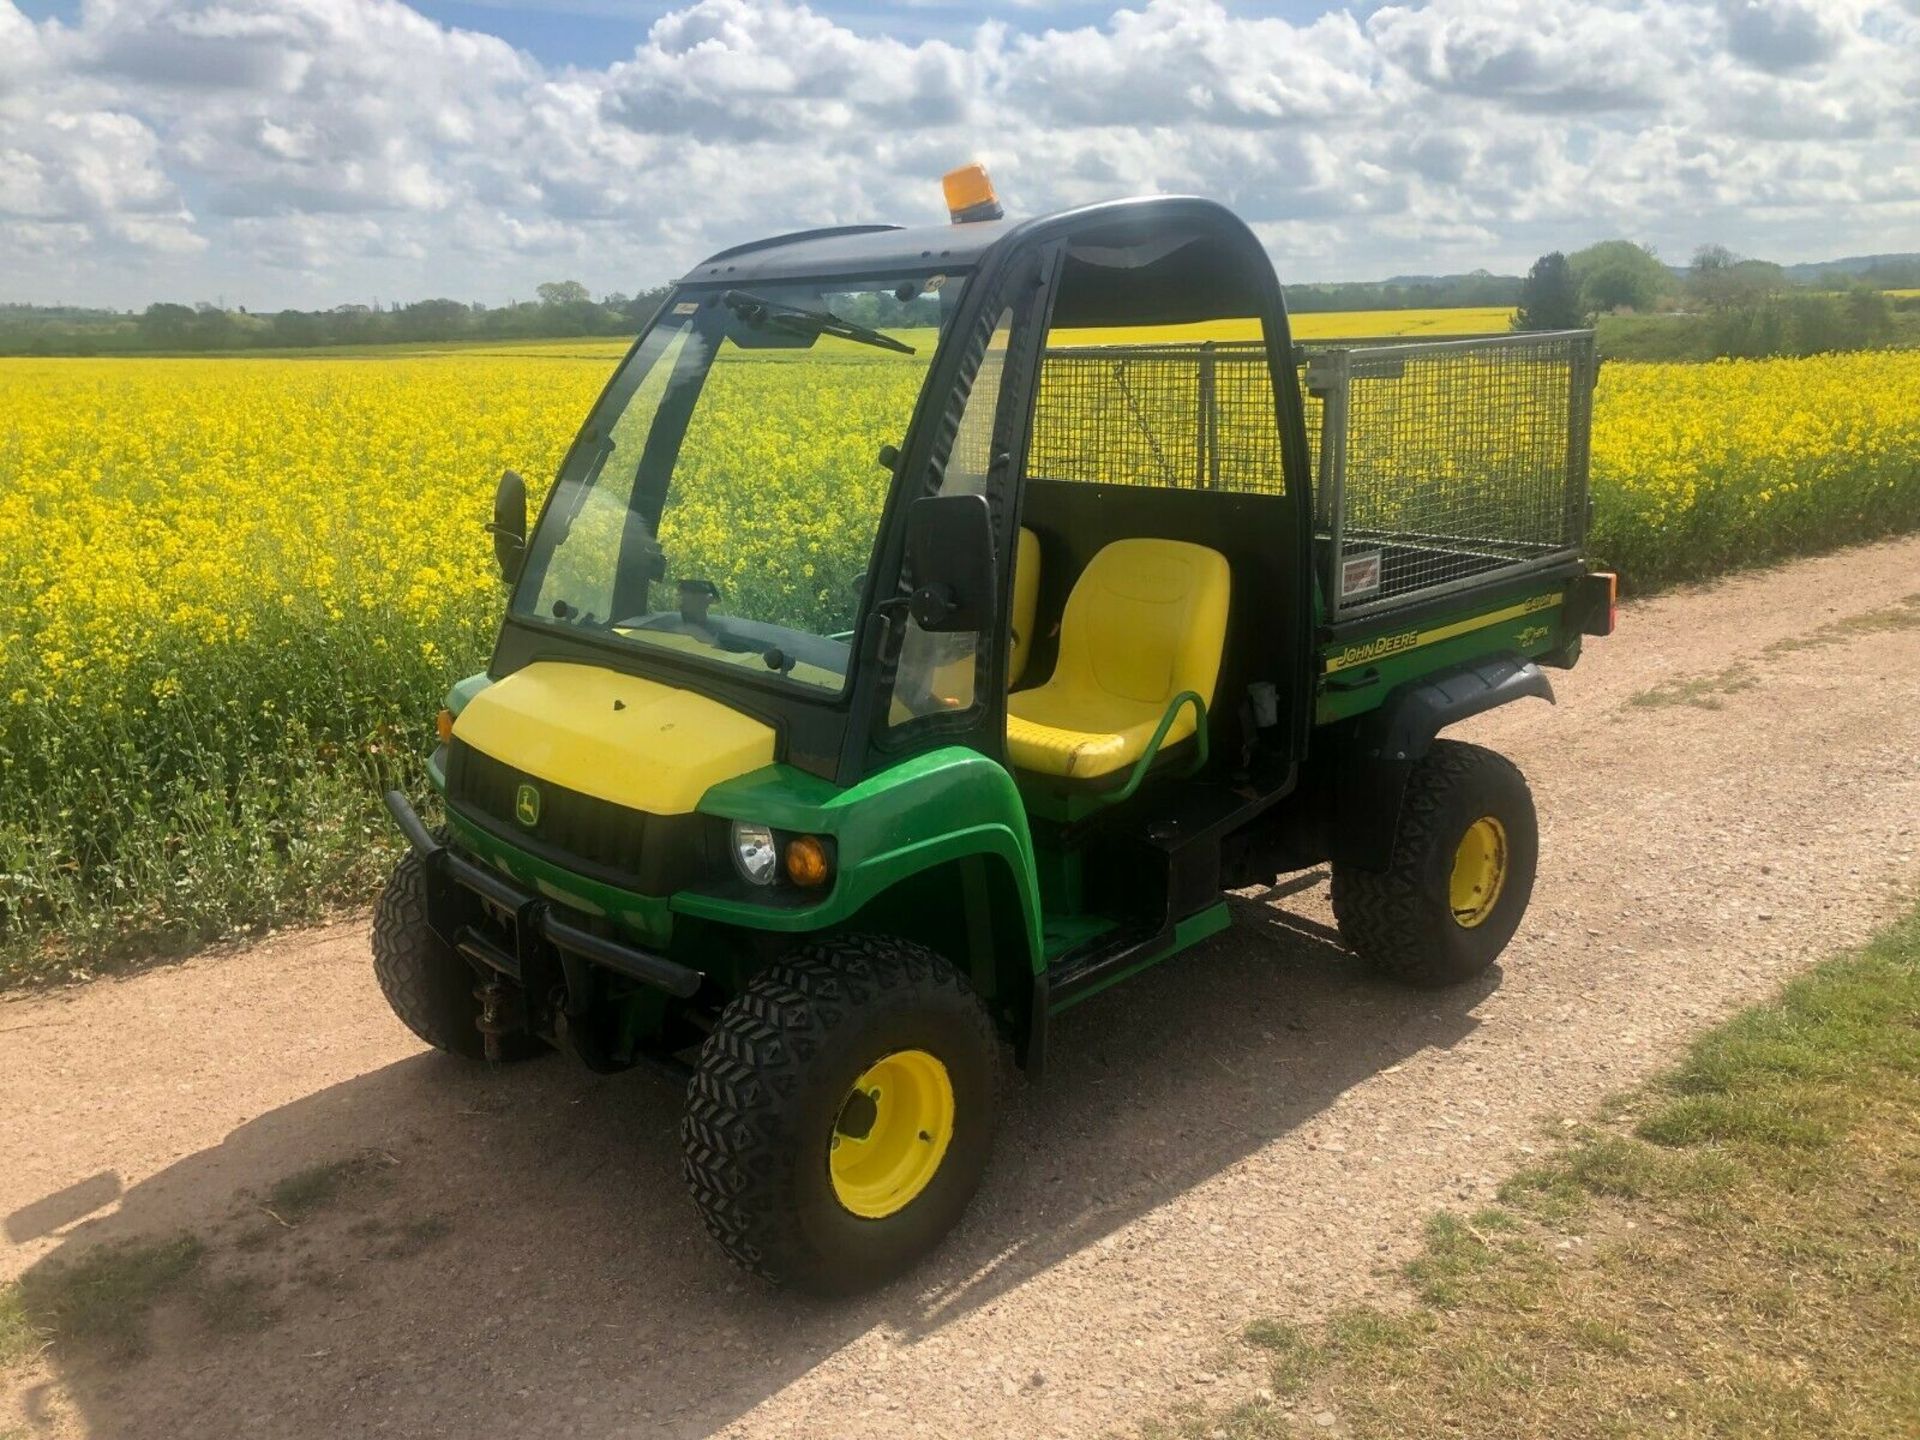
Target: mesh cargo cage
<point>1439,464</point>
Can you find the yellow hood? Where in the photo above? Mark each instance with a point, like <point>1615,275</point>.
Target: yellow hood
<point>616,737</point>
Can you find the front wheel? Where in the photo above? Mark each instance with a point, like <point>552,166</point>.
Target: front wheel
<point>430,988</point>
<point>841,1113</point>
<point>1460,873</point>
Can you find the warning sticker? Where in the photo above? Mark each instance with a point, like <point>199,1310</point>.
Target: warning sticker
<point>1360,574</point>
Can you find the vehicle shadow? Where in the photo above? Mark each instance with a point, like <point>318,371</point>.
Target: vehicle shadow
<point>514,1249</point>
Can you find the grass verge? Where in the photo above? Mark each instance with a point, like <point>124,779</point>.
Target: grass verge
<point>308,1191</point>
<point>99,1301</point>
<point>1734,1251</point>
<point>1703,692</point>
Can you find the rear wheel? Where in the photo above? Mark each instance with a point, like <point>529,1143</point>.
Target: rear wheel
<point>1460,874</point>
<point>841,1113</point>
<point>428,985</point>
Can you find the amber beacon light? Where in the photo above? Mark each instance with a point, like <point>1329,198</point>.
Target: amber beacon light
<point>970,195</point>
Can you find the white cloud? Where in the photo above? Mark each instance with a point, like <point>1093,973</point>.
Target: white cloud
<point>1781,35</point>
<point>21,52</point>
<point>301,151</point>
<point>1192,64</point>
<point>1548,55</point>
<point>97,170</point>
<point>731,70</point>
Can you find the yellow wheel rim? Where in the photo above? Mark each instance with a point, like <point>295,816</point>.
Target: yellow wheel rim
<point>1479,871</point>
<point>891,1134</point>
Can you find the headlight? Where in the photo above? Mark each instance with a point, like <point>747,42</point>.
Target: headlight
<point>754,853</point>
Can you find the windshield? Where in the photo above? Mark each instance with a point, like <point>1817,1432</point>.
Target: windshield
<point>725,496</point>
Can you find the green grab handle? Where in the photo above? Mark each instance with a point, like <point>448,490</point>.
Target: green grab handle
<point>1145,762</point>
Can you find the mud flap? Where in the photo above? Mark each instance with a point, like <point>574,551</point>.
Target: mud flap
<point>1392,739</point>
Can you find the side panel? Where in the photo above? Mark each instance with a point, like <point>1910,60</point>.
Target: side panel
<point>1449,465</point>
<point>1358,672</point>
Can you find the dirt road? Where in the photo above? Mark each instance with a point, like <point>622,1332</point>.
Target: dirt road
<point>1728,789</point>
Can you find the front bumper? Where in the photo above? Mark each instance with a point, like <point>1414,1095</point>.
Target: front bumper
<point>544,947</point>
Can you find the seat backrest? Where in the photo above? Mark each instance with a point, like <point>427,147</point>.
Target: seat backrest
<point>1026,602</point>
<point>1146,620</point>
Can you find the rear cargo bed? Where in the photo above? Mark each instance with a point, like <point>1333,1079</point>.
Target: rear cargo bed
<point>1444,466</point>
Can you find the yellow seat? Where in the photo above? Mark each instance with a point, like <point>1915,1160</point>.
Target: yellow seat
<point>1146,621</point>
<point>1026,602</point>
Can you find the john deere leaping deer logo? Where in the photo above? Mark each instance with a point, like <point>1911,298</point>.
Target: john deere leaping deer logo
<point>526,806</point>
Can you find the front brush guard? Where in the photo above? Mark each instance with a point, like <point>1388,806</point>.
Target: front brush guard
<point>540,939</point>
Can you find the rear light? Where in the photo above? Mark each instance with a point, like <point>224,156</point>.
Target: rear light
<point>443,723</point>
<point>1594,601</point>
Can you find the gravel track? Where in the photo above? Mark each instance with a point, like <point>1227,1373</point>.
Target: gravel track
<point>1256,1128</point>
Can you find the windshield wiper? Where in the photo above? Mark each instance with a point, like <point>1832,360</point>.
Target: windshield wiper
<point>758,310</point>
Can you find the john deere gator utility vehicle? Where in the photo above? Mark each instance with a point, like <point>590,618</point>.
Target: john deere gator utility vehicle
<point>923,633</point>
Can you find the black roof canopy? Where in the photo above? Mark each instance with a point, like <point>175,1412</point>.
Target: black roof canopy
<point>850,250</point>
<point>1159,258</point>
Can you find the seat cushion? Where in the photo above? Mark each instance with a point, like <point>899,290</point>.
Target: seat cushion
<point>1074,753</point>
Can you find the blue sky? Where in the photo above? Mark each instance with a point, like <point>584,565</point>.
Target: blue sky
<point>311,152</point>
<point>596,32</point>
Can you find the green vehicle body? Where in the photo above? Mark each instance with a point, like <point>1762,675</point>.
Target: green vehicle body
<point>969,834</point>
<point>951,848</point>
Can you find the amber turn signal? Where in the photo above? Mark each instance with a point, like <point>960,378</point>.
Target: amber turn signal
<point>443,722</point>
<point>808,864</point>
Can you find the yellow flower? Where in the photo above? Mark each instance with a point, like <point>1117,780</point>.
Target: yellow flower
<point>202,558</point>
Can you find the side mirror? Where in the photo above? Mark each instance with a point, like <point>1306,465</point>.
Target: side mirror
<point>509,527</point>
<point>950,556</point>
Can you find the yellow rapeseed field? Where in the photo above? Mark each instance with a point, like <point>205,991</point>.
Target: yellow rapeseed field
<point>1703,468</point>
<point>229,590</point>
<point>232,591</point>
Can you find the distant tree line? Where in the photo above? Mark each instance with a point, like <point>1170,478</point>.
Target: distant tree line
<point>1721,305</point>
<point>1746,308</point>
<point>1881,272</point>
<point>564,310</point>
<point>1441,292</point>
